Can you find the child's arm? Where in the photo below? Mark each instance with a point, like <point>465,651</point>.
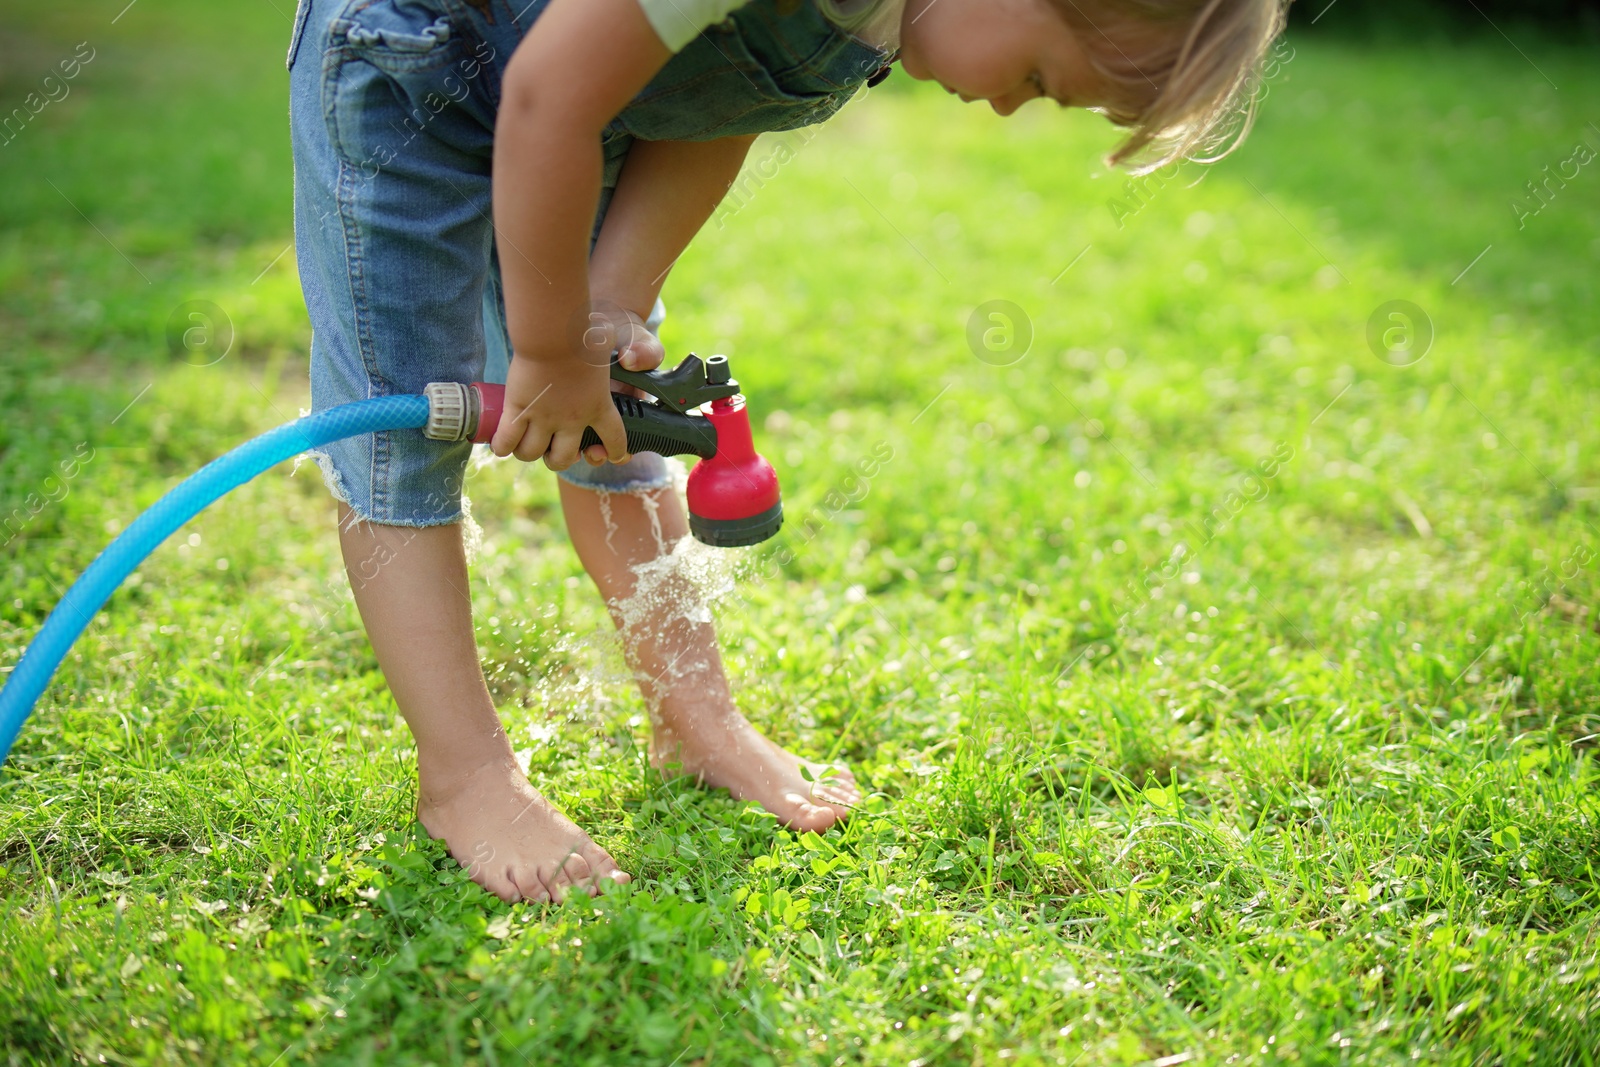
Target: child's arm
<point>665,193</point>
<point>577,68</point>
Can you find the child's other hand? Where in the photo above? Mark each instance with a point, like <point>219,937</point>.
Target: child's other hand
<point>611,328</point>
<point>641,350</point>
<point>548,405</point>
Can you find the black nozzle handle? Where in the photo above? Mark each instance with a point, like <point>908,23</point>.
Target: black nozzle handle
<point>652,428</point>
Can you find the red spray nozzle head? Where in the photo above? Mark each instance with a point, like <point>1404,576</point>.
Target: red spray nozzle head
<point>733,496</point>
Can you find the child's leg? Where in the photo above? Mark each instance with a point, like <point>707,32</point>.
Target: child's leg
<point>393,241</point>
<point>680,668</point>
<point>411,586</point>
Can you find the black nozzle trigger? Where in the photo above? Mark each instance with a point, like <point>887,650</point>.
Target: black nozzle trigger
<point>683,388</point>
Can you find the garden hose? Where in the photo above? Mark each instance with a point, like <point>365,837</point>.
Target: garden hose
<point>732,493</point>
<point>182,503</point>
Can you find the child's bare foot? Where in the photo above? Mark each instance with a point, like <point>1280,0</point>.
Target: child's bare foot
<point>512,841</point>
<point>731,754</point>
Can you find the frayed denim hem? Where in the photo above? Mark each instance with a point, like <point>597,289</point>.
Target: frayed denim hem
<point>360,516</point>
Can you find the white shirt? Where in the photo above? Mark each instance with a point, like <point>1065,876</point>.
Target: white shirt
<point>677,22</point>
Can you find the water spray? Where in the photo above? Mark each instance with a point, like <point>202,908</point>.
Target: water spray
<point>697,410</point>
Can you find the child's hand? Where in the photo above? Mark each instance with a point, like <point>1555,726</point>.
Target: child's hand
<point>547,398</point>
<point>613,328</point>
<point>548,405</point>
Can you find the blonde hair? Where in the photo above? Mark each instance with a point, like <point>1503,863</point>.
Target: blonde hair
<point>1204,81</point>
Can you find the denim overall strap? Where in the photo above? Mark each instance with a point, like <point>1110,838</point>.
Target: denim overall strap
<point>771,65</point>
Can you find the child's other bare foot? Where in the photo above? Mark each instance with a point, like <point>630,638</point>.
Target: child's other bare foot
<point>731,754</point>
<point>512,841</point>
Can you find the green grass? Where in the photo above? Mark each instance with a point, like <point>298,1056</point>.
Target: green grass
<point>1325,791</point>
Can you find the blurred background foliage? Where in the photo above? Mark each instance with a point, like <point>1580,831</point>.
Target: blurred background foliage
<point>1444,16</point>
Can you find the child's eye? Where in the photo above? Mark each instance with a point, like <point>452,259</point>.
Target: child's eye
<point>1038,82</point>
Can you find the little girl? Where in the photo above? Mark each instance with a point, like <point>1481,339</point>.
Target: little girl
<point>498,188</point>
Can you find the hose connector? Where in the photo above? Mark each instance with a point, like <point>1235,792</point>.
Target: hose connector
<point>453,410</point>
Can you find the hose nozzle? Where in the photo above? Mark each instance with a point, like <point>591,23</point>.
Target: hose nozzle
<point>733,492</point>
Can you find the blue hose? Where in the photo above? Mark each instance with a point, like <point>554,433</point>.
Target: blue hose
<point>186,500</point>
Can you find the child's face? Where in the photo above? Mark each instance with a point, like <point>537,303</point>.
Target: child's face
<point>1008,52</point>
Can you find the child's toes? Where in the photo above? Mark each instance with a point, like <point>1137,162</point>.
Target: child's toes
<point>839,789</point>
<point>546,883</point>
<point>502,886</point>
<point>496,878</point>
<point>603,866</point>
<point>573,874</point>
<point>805,814</point>
<point>836,798</point>
<point>530,886</point>
<point>836,785</point>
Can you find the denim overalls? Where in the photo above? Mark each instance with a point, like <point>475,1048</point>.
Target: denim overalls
<point>392,111</point>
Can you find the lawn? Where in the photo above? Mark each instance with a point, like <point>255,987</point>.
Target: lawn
<point>1221,652</point>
